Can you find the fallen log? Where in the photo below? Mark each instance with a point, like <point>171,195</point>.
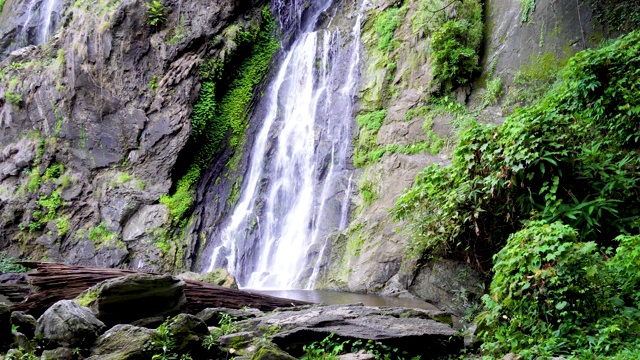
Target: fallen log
<point>52,282</point>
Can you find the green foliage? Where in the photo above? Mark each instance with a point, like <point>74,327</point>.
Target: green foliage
<point>224,103</point>
<point>455,45</point>
<point>455,54</point>
<point>372,120</point>
<point>153,83</point>
<point>34,180</point>
<point>528,6</point>
<point>332,346</point>
<point>87,297</point>
<point>534,79</point>
<point>386,24</point>
<point>227,325</point>
<point>13,98</point>
<point>8,265</point>
<point>53,172</point>
<point>101,234</point>
<point>552,294</point>
<point>571,157</point>
<point>494,91</point>
<point>618,15</point>
<point>180,202</point>
<point>1,5</point>
<point>47,210</point>
<point>156,12</point>
<point>62,224</point>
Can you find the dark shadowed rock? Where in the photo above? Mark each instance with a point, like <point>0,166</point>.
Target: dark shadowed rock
<point>133,297</point>
<point>5,327</point>
<point>188,332</point>
<point>122,342</point>
<point>26,323</point>
<point>68,324</point>
<point>266,350</point>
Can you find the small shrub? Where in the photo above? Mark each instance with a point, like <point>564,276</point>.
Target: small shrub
<point>13,98</point>
<point>8,265</point>
<point>372,120</point>
<point>157,13</point>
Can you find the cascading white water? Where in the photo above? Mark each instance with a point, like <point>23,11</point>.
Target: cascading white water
<point>39,20</point>
<point>46,22</point>
<point>294,189</point>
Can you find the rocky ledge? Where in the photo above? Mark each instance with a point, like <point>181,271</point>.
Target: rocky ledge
<point>100,324</point>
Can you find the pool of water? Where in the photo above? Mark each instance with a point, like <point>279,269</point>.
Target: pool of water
<point>343,298</point>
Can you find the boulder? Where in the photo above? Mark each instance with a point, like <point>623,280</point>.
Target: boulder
<point>5,327</point>
<point>416,331</point>
<point>219,277</point>
<point>123,342</point>
<point>188,332</point>
<point>133,297</point>
<point>25,323</point>
<point>266,350</point>
<point>61,353</point>
<point>68,324</point>
<point>212,316</point>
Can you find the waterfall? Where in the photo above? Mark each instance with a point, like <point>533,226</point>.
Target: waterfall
<point>47,21</point>
<point>296,188</point>
<point>39,20</point>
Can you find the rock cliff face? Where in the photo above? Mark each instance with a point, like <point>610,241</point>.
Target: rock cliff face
<point>91,125</point>
<point>95,120</point>
<point>370,256</point>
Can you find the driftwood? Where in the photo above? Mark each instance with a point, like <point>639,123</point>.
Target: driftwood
<point>51,282</point>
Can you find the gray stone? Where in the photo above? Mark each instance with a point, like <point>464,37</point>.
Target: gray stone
<point>147,217</point>
<point>61,353</point>
<point>68,324</point>
<point>414,332</point>
<point>212,316</point>
<point>5,326</point>
<point>360,355</point>
<point>189,332</point>
<point>25,323</point>
<point>123,342</point>
<point>133,297</point>
<point>449,285</point>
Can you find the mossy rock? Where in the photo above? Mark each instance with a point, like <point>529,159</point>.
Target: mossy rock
<point>220,277</point>
<point>269,351</point>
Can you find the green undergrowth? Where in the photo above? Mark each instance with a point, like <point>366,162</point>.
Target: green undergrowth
<point>220,116</point>
<point>618,15</point>
<point>8,264</point>
<point>333,346</point>
<point>549,203</point>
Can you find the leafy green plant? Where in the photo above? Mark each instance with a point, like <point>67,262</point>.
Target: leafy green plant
<point>455,53</point>
<point>386,24</point>
<point>494,91</point>
<point>552,294</point>
<point>13,98</point>
<point>62,224</point>
<point>153,83</point>
<point>332,346</point>
<point>101,234</point>
<point>8,265</point>
<point>156,12</point>
<point>570,157</point>
<point>528,6</point>
<point>221,113</point>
